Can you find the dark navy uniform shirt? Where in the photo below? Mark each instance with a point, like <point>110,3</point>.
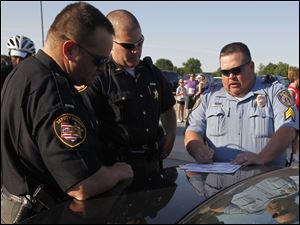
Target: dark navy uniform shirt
<point>134,103</point>
<point>47,135</point>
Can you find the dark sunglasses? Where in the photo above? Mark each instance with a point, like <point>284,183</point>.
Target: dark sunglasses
<point>234,71</point>
<point>97,60</point>
<point>131,46</point>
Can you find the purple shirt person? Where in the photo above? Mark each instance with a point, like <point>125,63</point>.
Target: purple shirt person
<point>191,85</point>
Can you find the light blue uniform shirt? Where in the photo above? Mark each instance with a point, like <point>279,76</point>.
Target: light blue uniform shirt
<point>229,125</point>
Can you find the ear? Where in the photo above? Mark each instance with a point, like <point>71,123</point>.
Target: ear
<point>68,49</point>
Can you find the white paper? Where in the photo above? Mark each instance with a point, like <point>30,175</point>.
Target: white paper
<point>218,167</point>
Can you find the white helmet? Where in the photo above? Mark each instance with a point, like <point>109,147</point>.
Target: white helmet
<point>20,43</point>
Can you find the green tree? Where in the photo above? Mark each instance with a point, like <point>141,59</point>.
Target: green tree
<point>217,73</point>
<point>261,69</point>
<point>282,69</point>
<point>274,69</point>
<point>164,64</point>
<point>192,65</point>
<point>179,70</point>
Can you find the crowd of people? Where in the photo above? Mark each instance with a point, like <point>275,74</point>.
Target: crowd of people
<point>86,112</point>
<point>188,94</point>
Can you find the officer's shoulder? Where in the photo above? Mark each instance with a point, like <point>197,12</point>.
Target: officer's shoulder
<point>147,61</point>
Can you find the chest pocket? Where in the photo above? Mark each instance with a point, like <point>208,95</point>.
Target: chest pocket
<point>262,121</point>
<point>216,121</point>
<point>117,102</point>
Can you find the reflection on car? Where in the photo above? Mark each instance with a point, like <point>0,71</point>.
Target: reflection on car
<point>272,197</point>
<point>178,196</point>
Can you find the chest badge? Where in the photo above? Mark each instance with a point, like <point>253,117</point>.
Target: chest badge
<point>80,88</point>
<point>155,94</point>
<point>69,129</point>
<point>261,100</point>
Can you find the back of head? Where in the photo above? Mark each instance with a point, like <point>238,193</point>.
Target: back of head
<point>236,47</point>
<point>21,46</point>
<point>123,20</point>
<point>293,74</point>
<point>78,22</point>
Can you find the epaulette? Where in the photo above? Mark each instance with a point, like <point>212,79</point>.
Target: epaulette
<point>148,62</point>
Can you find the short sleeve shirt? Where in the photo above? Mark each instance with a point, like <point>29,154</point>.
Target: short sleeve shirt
<point>230,126</point>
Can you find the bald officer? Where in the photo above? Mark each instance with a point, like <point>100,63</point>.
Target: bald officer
<point>245,121</point>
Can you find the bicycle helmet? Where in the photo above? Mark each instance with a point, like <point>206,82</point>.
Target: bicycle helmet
<point>20,43</point>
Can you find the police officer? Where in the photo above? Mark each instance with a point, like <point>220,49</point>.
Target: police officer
<point>48,139</point>
<point>138,96</point>
<point>246,121</point>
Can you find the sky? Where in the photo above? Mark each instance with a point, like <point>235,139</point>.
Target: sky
<point>180,30</point>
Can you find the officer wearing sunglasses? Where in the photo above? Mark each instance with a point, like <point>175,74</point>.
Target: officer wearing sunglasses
<point>138,96</point>
<point>244,121</point>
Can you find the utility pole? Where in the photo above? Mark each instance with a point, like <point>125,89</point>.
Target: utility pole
<point>42,23</point>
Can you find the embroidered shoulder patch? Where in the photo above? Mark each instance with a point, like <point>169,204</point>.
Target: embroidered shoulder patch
<point>69,129</point>
<point>285,98</point>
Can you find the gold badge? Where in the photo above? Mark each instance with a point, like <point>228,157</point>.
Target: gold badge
<point>69,129</point>
<point>80,88</point>
<point>285,98</point>
<point>290,113</point>
<point>261,100</point>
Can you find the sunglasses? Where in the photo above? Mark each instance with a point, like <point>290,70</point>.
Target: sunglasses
<point>234,71</point>
<point>131,46</point>
<point>97,60</point>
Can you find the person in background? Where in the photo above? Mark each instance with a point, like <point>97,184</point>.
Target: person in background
<point>6,67</point>
<point>180,97</point>
<point>49,143</point>
<point>293,76</point>
<point>244,121</point>
<point>19,48</point>
<point>191,87</point>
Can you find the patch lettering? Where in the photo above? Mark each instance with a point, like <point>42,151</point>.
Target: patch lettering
<point>70,130</point>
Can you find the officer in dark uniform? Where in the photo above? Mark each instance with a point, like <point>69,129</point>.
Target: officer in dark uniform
<point>138,96</point>
<point>48,139</point>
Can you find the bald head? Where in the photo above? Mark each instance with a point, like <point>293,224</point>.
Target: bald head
<point>123,21</point>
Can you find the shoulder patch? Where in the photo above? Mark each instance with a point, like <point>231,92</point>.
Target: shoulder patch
<point>285,98</point>
<point>69,129</point>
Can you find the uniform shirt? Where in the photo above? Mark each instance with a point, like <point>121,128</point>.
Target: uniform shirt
<point>230,126</point>
<point>134,103</point>
<point>45,126</point>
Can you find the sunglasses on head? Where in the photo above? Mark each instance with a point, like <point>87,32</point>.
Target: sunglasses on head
<point>97,60</point>
<point>234,71</point>
<point>131,46</point>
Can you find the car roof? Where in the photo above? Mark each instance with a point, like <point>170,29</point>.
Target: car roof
<point>161,198</point>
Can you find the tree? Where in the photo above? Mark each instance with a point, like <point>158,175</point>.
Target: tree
<point>164,64</point>
<point>179,70</point>
<point>274,69</point>
<point>217,73</point>
<point>192,65</point>
<point>282,69</point>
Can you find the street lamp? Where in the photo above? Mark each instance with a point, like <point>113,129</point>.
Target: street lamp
<point>42,23</point>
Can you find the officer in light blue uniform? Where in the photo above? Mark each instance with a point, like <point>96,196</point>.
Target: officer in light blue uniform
<point>230,123</point>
